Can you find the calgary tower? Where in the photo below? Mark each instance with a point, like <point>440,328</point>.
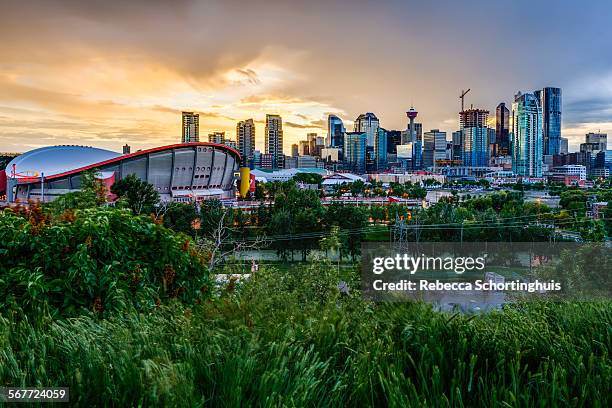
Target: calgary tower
<point>412,114</point>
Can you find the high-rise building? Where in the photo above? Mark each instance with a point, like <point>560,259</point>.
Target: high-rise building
<point>418,133</point>
<point>474,137</point>
<point>527,144</point>
<point>216,137</point>
<point>370,160</point>
<point>550,103</point>
<point>380,149</point>
<point>191,127</point>
<point>355,144</point>
<point>331,154</point>
<point>434,147</point>
<point>600,139</point>
<point>563,146</point>
<point>492,138</point>
<point>127,149</point>
<point>231,143</point>
<point>245,138</point>
<point>291,162</point>
<point>266,161</point>
<point>306,162</point>
<point>295,150</point>
<point>449,151</point>
<point>304,148</point>
<point>256,158</point>
<point>457,145</point>
<point>414,138</point>
<point>315,144</point>
<point>311,138</point>
<point>335,131</point>
<point>274,140</point>
<point>475,148</point>
<point>502,130</point>
<point>368,123</point>
<point>473,118</point>
<point>590,147</point>
<point>394,138</point>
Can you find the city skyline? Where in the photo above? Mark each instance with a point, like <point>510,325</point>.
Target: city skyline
<point>104,74</point>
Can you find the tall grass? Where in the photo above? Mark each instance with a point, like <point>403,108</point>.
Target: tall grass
<point>290,339</point>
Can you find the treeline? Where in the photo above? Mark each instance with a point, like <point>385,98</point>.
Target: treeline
<point>359,188</point>
<point>292,220</point>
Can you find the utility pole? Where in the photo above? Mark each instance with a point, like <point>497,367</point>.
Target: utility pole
<point>42,187</point>
<point>462,96</point>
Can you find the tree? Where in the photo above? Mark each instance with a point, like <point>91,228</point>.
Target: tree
<point>218,243</point>
<point>179,217</point>
<point>333,242</point>
<point>593,231</point>
<point>308,178</point>
<point>92,194</point>
<point>260,191</point>
<point>357,187</point>
<point>338,190</point>
<point>297,212</point>
<point>574,201</point>
<point>212,212</point>
<point>349,218</point>
<point>417,192</point>
<point>138,195</point>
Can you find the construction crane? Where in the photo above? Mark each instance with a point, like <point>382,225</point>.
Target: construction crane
<point>462,96</point>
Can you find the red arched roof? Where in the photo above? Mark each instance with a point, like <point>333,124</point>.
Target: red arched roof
<point>128,156</point>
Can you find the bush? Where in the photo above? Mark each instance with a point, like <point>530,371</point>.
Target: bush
<point>288,338</point>
<point>96,259</point>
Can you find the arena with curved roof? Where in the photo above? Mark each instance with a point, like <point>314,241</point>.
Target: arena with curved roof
<point>179,172</point>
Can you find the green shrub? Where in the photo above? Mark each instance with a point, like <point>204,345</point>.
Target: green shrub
<point>97,259</point>
<point>290,339</point>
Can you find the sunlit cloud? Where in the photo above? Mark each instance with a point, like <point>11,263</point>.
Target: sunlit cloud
<point>109,72</point>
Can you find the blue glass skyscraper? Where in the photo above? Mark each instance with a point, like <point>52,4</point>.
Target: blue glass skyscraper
<point>550,102</point>
<point>502,130</point>
<point>380,149</point>
<point>527,142</point>
<point>335,131</point>
<point>474,137</point>
<point>369,124</point>
<point>355,151</point>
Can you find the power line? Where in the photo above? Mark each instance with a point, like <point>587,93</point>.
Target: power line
<point>320,234</point>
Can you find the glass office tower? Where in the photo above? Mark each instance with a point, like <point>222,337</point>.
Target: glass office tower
<point>527,141</point>
<point>550,102</point>
<point>355,151</point>
<point>474,137</point>
<point>335,131</point>
<point>502,132</point>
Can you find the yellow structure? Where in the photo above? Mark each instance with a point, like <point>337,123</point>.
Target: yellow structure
<point>245,181</point>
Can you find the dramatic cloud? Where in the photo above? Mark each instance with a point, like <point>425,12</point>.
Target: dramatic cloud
<point>111,72</point>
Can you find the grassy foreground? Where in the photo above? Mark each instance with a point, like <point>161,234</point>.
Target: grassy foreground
<point>288,338</point>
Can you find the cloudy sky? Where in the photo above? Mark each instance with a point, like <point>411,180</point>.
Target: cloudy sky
<point>105,73</point>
